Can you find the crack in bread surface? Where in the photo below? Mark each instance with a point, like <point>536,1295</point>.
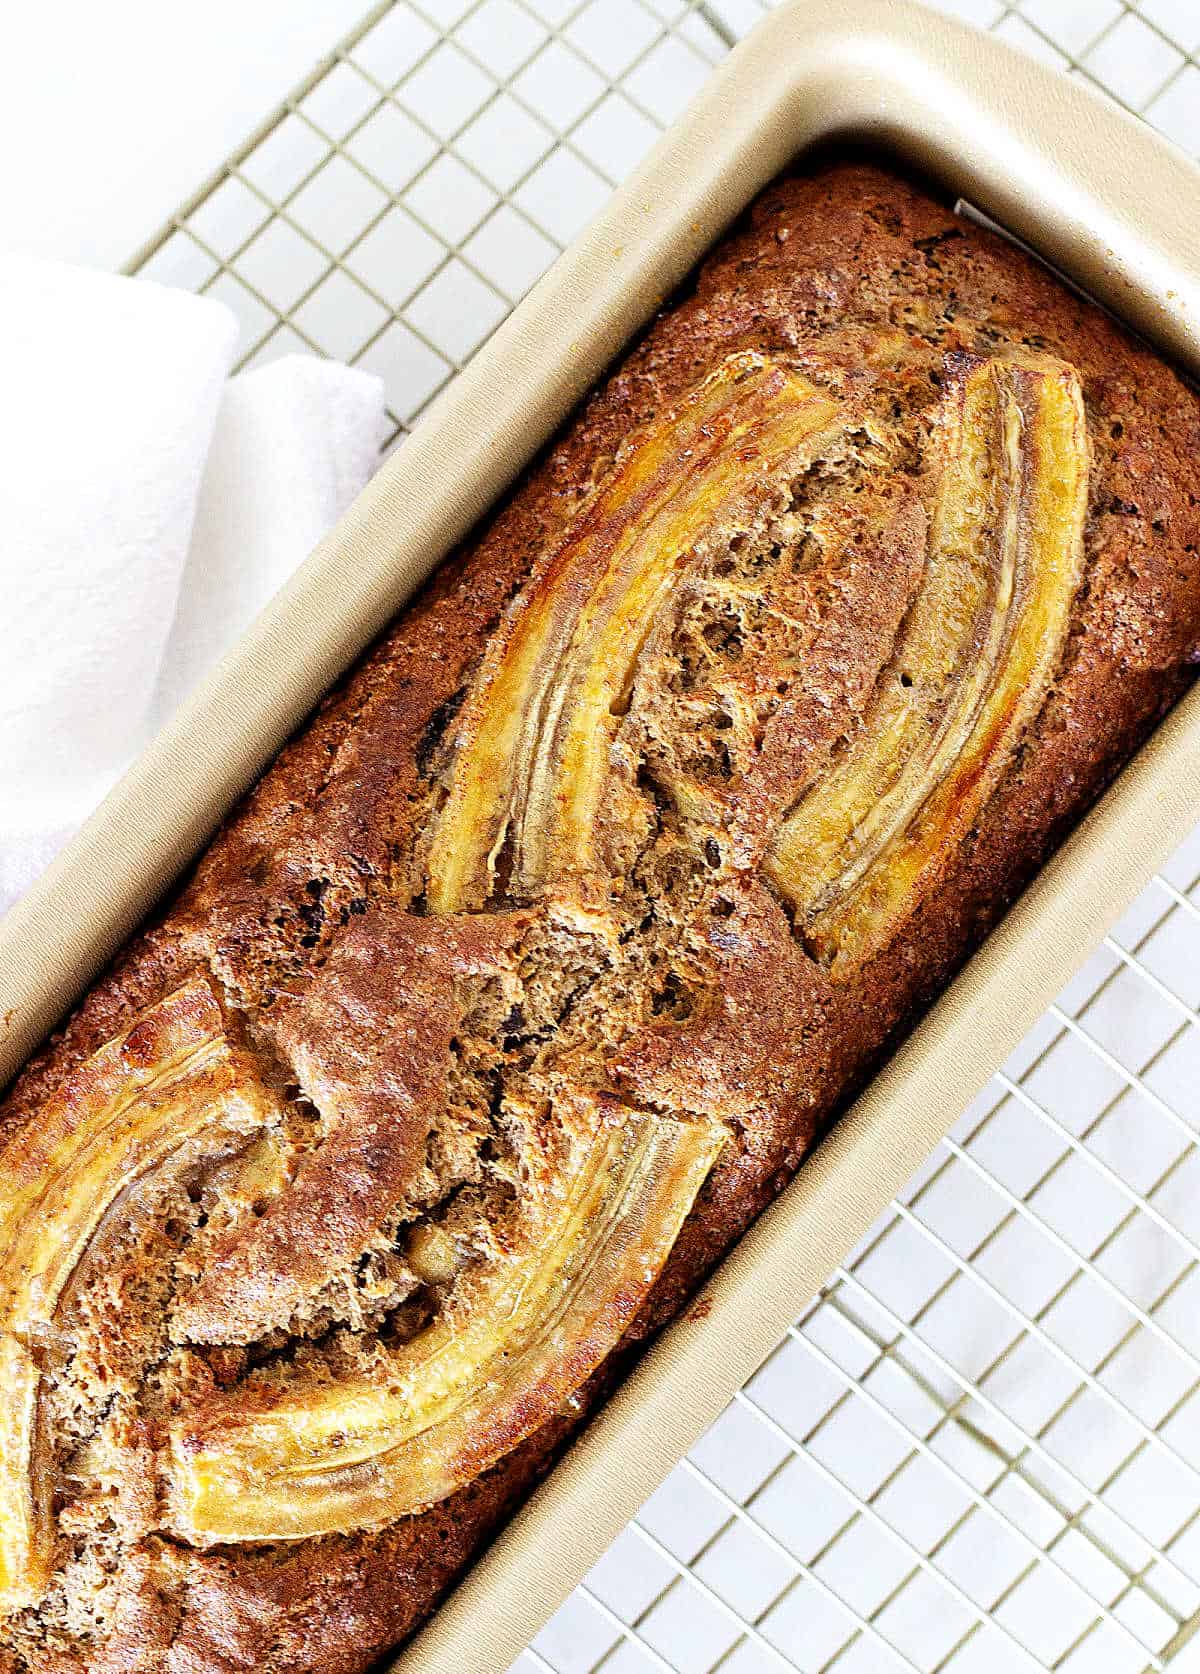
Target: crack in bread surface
<point>675,803</point>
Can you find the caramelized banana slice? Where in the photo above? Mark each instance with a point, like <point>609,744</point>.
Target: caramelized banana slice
<point>146,1093</point>
<point>535,735</point>
<point>973,664</point>
<point>520,1335</point>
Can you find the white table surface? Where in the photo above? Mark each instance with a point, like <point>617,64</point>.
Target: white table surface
<point>111,114</point>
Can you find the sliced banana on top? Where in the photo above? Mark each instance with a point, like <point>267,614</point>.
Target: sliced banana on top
<point>534,737</point>
<point>520,1334</point>
<point>172,1075</point>
<point>973,663</point>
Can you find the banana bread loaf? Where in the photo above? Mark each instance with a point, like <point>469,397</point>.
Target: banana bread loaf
<point>527,974</point>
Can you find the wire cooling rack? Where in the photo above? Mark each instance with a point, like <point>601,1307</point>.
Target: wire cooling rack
<point>978,1450</point>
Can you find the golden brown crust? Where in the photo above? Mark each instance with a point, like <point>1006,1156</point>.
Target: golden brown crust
<point>336,830</point>
<point>370,1039</point>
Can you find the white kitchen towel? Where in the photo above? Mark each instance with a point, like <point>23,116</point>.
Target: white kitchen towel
<point>294,443</point>
<point>111,389</point>
<point>116,402</point>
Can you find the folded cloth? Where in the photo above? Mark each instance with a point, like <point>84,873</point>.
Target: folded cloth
<point>294,444</point>
<point>102,579</point>
<point>111,389</point>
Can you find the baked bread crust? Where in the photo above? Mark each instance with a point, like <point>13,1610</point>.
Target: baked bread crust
<point>837,260</point>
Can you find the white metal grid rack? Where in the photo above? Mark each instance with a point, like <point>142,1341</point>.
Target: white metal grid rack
<point>978,1450</point>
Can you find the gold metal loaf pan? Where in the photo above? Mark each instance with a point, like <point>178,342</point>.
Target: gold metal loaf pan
<point>1095,193</point>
